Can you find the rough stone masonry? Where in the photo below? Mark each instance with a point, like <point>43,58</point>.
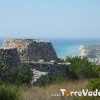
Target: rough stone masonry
<point>33,50</point>
<point>39,55</point>
<point>10,57</point>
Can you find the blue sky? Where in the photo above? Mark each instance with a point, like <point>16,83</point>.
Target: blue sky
<point>50,18</point>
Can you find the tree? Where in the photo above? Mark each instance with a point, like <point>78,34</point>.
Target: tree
<point>80,68</point>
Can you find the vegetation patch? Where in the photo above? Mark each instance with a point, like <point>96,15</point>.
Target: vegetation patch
<point>8,92</point>
<point>13,75</point>
<point>81,68</point>
<point>94,84</point>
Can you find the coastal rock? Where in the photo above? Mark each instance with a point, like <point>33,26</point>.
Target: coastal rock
<point>92,52</point>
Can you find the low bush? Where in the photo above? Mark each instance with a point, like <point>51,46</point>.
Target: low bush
<point>13,75</point>
<point>81,68</point>
<point>17,76</point>
<point>94,84</point>
<point>9,93</point>
<point>23,76</point>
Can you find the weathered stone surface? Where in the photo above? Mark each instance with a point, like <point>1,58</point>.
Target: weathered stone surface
<point>10,57</point>
<point>33,50</point>
<point>37,75</point>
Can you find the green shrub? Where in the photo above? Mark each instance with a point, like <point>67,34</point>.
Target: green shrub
<point>23,76</point>
<point>13,75</point>
<point>20,76</point>
<point>94,84</point>
<point>97,70</point>
<point>81,68</point>
<point>9,75</point>
<point>9,93</point>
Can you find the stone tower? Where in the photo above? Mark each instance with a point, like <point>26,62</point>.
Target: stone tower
<point>32,50</point>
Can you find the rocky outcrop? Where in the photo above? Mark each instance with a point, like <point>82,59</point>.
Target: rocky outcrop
<point>32,50</point>
<point>10,57</point>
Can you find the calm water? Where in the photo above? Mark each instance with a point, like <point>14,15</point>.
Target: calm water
<point>1,40</point>
<point>69,47</point>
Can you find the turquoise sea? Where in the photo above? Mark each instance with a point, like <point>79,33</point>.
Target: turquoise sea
<point>68,47</point>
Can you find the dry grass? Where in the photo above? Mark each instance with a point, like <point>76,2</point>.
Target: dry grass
<point>44,93</point>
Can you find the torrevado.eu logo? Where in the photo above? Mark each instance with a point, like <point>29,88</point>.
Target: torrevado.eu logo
<point>83,92</point>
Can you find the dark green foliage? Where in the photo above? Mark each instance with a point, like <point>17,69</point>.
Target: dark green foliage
<point>9,75</point>
<point>24,75</point>
<point>97,70</point>
<point>13,75</point>
<point>17,76</point>
<point>81,68</point>
<point>9,93</point>
<point>94,84</point>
